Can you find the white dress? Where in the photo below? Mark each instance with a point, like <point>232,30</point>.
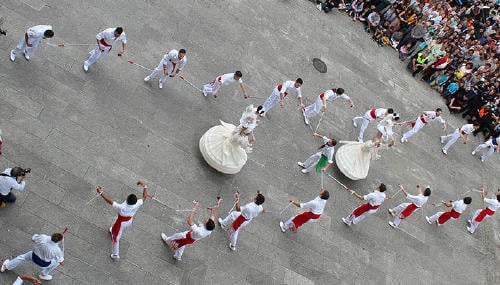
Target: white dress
<point>224,148</point>
<point>353,158</point>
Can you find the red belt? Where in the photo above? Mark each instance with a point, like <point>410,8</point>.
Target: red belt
<point>237,223</point>
<point>408,211</point>
<point>372,113</point>
<point>279,88</point>
<point>301,219</point>
<point>117,226</point>
<point>364,208</point>
<point>219,78</point>
<point>422,119</point>
<point>483,213</point>
<point>446,216</point>
<point>176,244</point>
<point>104,43</point>
<point>322,95</point>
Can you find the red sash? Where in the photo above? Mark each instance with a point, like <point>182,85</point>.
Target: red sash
<point>219,78</point>
<point>322,95</point>
<point>372,113</point>
<point>422,119</point>
<point>176,244</point>
<point>104,43</point>
<point>237,223</point>
<point>173,64</point>
<point>303,218</point>
<point>408,211</point>
<point>117,226</point>
<point>364,208</point>
<point>279,88</point>
<point>448,215</point>
<point>484,213</point>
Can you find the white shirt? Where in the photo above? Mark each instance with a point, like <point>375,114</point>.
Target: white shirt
<point>36,32</point>
<point>419,200</point>
<point>173,57</point>
<point>459,206</point>
<point>127,210</point>
<point>492,204</point>
<point>8,183</point>
<point>327,150</point>
<point>108,36</point>
<point>228,78</point>
<point>329,95</point>
<point>251,210</point>
<point>249,121</point>
<point>467,129</point>
<point>375,198</point>
<point>199,231</point>
<point>316,206</point>
<point>46,249</point>
<point>430,116</point>
<point>289,87</point>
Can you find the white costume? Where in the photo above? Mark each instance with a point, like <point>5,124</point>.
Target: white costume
<point>492,206</point>
<point>171,63</point>
<point>422,120</point>
<point>316,208</point>
<point>106,38</point>
<point>466,129</point>
<point>374,200</point>
<point>285,88</point>
<point>370,115</point>
<point>126,211</point>
<point>385,127</point>
<point>224,148</point>
<point>314,109</point>
<point>403,210</point>
<point>458,207</point>
<point>35,36</point>
<point>327,151</point>
<point>353,158</point>
<point>46,254</point>
<point>491,144</point>
<point>224,80</point>
<point>249,119</point>
<point>178,241</point>
<point>235,221</point>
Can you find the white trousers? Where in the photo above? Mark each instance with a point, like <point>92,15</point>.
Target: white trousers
<point>418,125</point>
<point>452,138</point>
<point>96,53</point>
<point>226,223</point>
<point>178,253</point>
<point>27,257</point>
<point>289,224</point>
<point>312,161</point>
<point>115,247</point>
<point>271,101</point>
<point>366,120</point>
<point>21,47</point>
<point>352,219</point>
<point>313,109</point>
<point>474,224</point>
<point>210,87</point>
<point>491,149</point>
<point>398,209</point>
<point>436,216</point>
<point>159,71</point>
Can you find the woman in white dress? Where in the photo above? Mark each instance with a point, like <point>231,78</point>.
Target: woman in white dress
<point>225,146</point>
<point>321,160</point>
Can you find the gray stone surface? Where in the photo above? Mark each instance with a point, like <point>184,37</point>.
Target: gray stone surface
<point>108,127</point>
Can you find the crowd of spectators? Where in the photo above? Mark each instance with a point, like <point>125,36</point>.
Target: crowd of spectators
<point>453,45</point>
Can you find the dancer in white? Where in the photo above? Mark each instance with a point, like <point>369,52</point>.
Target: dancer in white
<point>249,121</point>
<point>223,80</point>
<point>492,206</point>
<point>457,208</point>
<point>463,132</point>
<point>178,242</point>
<point>404,210</point>
<point>170,65</point>
<point>385,132</point>
<point>320,104</point>
<point>31,40</point>
<point>316,208</point>
<point>323,159</point>
<point>369,116</point>
<point>491,144</point>
<point>47,254</point>
<point>240,218</point>
<point>374,200</point>
<point>280,92</point>
<point>126,212</point>
<point>422,120</point>
<point>105,41</point>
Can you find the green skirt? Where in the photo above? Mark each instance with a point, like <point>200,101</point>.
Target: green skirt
<point>323,161</point>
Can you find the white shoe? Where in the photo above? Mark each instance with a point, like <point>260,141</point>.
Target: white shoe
<point>354,123</point>
<point>160,84</point>
<point>282,227</point>
<point>205,93</point>
<point>482,159</point>
<point>110,230</point>
<point>360,140</point>
<point>319,7</point>
<point>45,277</point>
<point>301,164</point>
<point>164,237</point>
<point>306,121</point>
<point>304,171</point>
<point>27,57</point>
<point>147,78</point>
<point>444,151</point>
<point>469,229</point>
<point>12,55</point>
<point>4,266</point>
<point>114,256</point>
<point>391,212</point>
<point>403,140</point>
<point>345,221</point>
<point>221,224</point>
<point>177,258</point>
<point>473,153</point>
<point>442,140</point>
<point>85,66</point>
<point>392,224</point>
<point>428,220</point>
<point>232,247</point>
<point>469,221</point>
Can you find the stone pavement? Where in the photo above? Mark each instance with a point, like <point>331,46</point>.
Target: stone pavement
<point>108,127</point>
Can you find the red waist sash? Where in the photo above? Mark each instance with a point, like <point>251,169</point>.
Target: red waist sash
<point>176,244</point>
<point>235,226</point>
<point>408,211</point>
<point>372,113</point>
<point>364,208</point>
<point>483,213</point>
<point>303,218</point>
<point>117,226</point>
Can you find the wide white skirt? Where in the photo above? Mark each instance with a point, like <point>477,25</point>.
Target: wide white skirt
<point>353,160</point>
